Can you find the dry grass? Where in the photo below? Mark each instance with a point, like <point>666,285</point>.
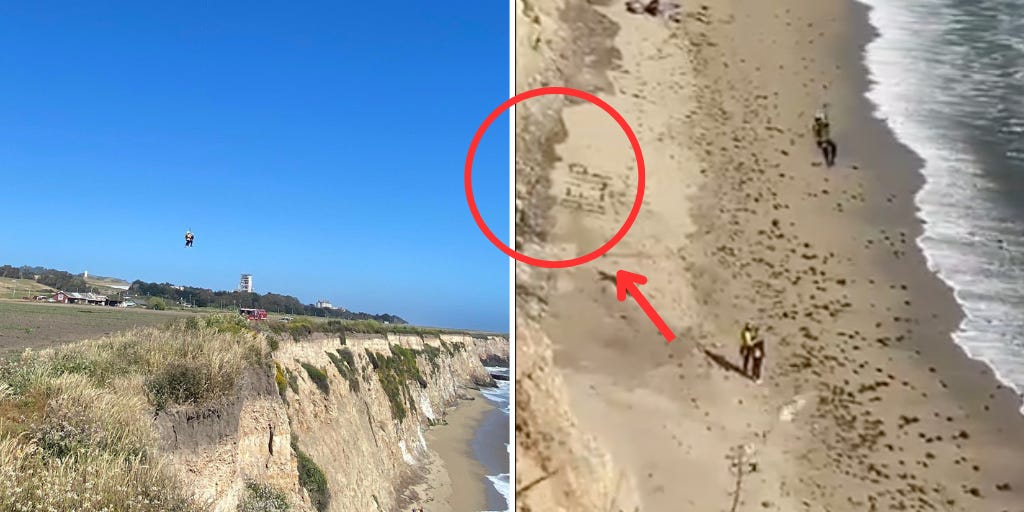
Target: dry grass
<point>75,422</point>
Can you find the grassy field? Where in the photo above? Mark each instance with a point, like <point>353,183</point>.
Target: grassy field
<point>41,325</point>
<point>17,288</point>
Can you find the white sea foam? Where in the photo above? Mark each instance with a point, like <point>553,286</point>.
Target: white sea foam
<point>934,91</point>
<point>500,397</point>
<point>502,484</point>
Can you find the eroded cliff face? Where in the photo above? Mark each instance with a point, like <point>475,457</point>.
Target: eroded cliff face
<point>357,406</point>
<point>492,351</point>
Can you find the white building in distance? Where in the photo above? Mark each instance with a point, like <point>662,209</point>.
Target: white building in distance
<point>324,304</point>
<point>245,283</point>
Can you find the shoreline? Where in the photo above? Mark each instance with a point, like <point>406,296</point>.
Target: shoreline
<point>866,34</point>
<point>493,457</point>
<point>952,359</point>
<point>868,401</point>
<point>442,482</point>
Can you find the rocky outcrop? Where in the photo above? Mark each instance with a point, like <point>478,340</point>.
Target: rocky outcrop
<point>492,350</point>
<point>357,406</point>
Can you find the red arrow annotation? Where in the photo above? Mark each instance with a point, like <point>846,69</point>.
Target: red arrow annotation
<point>628,282</point>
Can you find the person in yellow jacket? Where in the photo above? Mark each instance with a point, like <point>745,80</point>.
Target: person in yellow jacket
<point>752,352</point>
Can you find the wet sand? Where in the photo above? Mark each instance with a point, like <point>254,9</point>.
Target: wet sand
<point>867,404</point>
<point>452,480</point>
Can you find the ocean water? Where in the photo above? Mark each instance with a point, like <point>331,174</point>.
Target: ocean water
<point>948,78</point>
<point>501,399</point>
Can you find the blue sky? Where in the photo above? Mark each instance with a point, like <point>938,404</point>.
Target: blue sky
<point>317,146</point>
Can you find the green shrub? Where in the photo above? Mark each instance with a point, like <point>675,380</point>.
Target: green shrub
<point>262,498</point>
<point>318,377</point>
<point>293,382</point>
<point>311,478</point>
<point>394,374</point>
<point>373,359</point>
<point>192,324</point>
<point>282,384</point>
<point>273,343</point>
<point>234,324</point>
<point>345,369</point>
<point>300,328</point>
<point>157,303</point>
<point>179,383</point>
<point>433,354</point>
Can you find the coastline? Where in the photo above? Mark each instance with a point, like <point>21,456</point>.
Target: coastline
<point>491,443</point>
<point>452,479</point>
<point>868,401</point>
<point>971,377</point>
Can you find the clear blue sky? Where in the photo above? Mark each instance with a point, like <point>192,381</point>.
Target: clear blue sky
<point>317,145</point>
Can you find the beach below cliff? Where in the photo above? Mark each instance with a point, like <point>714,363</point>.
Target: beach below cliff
<point>453,478</point>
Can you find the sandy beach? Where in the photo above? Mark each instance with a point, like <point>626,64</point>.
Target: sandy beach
<point>866,404</point>
<point>452,480</point>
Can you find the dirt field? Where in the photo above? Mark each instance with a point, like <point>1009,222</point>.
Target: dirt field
<point>37,326</point>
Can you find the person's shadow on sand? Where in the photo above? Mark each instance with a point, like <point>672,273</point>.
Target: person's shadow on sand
<point>721,361</point>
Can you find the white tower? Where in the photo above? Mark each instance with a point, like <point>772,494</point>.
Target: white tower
<point>245,284</point>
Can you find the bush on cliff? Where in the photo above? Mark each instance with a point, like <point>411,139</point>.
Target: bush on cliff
<point>318,377</point>
<point>184,383</point>
<point>311,478</point>
<point>394,374</point>
<point>262,498</point>
<point>346,368</point>
<point>279,378</point>
<point>300,328</point>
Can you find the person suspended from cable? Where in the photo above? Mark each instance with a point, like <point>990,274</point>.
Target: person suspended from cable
<point>823,136</point>
<point>189,237</point>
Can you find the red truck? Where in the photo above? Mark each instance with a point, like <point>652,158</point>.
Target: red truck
<point>253,314</point>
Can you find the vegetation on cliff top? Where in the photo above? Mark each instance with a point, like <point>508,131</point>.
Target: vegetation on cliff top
<point>301,328</point>
<point>83,413</point>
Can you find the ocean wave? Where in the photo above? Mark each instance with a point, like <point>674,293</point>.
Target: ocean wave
<point>499,396</point>
<point>941,74</point>
<point>502,484</point>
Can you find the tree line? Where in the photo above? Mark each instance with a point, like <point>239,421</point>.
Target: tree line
<point>200,297</point>
<point>273,302</point>
<point>56,279</point>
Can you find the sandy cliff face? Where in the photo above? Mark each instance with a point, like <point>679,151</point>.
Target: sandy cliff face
<point>559,465</point>
<point>218,448</point>
<point>366,435</point>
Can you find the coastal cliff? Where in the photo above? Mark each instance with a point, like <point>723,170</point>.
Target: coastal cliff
<point>337,423</point>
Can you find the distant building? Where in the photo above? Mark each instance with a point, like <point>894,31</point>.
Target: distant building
<point>80,298</point>
<point>324,304</point>
<point>245,284</point>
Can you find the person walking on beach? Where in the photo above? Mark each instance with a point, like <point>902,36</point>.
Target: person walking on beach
<point>746,347</point>
<point>823,137</point>
<point>757,354</point>
<point>752,352</point>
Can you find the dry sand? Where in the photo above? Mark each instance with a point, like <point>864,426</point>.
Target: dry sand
<point>452,479</point>
<point>867,404</point>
